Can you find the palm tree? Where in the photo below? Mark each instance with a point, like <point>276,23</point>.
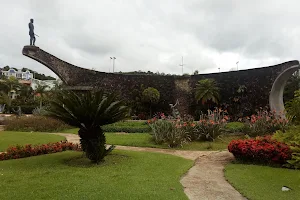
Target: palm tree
<point>207,90</point>
<point>88,111</point>
<point>41,90</point>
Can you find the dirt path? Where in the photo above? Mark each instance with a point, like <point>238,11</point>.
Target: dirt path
<point>204,181</point>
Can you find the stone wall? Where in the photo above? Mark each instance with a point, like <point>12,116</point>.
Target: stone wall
<point>258,82</point>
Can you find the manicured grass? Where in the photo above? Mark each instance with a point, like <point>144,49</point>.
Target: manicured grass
<point>263,182</point>
<point>123,175</point>
<point>11,138</point>
<point>144,140</point>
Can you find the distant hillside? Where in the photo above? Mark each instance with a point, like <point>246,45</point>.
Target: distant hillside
<point>36,74</point>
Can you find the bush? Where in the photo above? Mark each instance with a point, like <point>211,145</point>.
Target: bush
<point>34,123</point>
<point>173,133</point>
<point>25,109</point>
<point>210,126</point>
<point>235,127</point>
<point>128,127</point>
<point>29,150</point>
<point>292,138</point>
<point>265,123</point>
<point>262,150</point>
<point>293,108</point>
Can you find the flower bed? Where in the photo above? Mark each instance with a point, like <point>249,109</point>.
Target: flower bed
<point>260,150</point>
<point>29,150</point>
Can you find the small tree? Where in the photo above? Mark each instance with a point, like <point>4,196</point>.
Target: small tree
<point>88,111</point>
<point>151,95</point>
<point>207,90</point>
<point>41,90</point>
<point>7,88</point>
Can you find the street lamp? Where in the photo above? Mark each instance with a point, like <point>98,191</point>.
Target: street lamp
<point>237,65</point>
<point>113,58</point>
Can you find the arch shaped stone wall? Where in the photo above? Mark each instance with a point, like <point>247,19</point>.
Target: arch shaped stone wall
<point>276,94</point>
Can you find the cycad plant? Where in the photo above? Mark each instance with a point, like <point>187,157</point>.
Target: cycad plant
<point>89,111</point>
<point>207,90</point>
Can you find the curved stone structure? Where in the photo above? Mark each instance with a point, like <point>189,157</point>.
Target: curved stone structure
<point>276,94</point>
<point>258,81</point>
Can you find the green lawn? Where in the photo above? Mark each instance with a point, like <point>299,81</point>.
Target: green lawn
<point>123,175</point>
<point>263,182</point>
<point>10,138</point>
<point>144,140</point>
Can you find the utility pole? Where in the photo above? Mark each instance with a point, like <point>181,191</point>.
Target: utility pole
<point>181,65</point>
<point>113,58</point>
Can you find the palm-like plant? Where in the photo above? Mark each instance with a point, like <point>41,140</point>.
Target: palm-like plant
<point>41,90</point>
<point>207,89</point>
<point>89,111</point>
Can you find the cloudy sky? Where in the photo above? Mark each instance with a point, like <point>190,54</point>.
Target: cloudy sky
<point>153,34</point>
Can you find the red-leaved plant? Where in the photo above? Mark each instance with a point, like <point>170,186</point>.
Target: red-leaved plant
<point>28,150</point>
<point>264,150</point>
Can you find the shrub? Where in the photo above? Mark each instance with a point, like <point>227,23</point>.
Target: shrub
<point>26,109</point>
<point>292,138</point>
<point>263,150</point>
<point>29,150</point>
<point>235,126</point>
<point>128,127</point>
<point>293,108</point>
<point>210,126</point>
<point>173,133</point>
<point>264,123</point>
<point>35,123</point>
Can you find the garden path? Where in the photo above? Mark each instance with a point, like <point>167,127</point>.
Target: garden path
<point>204,181</point>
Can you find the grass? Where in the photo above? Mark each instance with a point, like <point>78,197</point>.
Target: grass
<point>67,175</point>
<point>11,138</point>
<point>263,182</point>
<point>144,140</point>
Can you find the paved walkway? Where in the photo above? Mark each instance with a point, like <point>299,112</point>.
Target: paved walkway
<point>204,181</point>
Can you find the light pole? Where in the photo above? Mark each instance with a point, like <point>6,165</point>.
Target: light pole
<point>181,65</point>
<point>113,58</point>
<point>237,65</point>
<point>219,69</point>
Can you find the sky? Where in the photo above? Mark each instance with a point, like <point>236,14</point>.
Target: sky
<point>153,34</point>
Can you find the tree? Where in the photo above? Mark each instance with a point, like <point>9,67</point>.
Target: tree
<point>9,87</point>
<point>207,90</point>
<point>88,111</point>
<point>41,90</point>
<point>196,72</point>
<point>151,95</point>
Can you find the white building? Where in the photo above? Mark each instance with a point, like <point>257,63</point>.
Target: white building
<point>18,74</point>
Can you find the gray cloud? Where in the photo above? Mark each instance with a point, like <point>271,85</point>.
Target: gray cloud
<point>151,35</point>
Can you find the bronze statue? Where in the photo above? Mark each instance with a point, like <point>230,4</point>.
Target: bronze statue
<point>31,32</point>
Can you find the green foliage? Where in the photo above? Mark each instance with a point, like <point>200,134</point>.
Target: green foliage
<point>293,108</point>
<point>264,123</point>
<point>207,90</point>
<point>210,126</point>
<point>89,111</point>
<point>151,96</point>
<point>34,123</point>
<point>292,138</point>
<point>172,133</point>
<point>235,126</point>
<point>128,127</point>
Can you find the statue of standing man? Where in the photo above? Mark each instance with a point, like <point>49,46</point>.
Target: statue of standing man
<point>31,32</point>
